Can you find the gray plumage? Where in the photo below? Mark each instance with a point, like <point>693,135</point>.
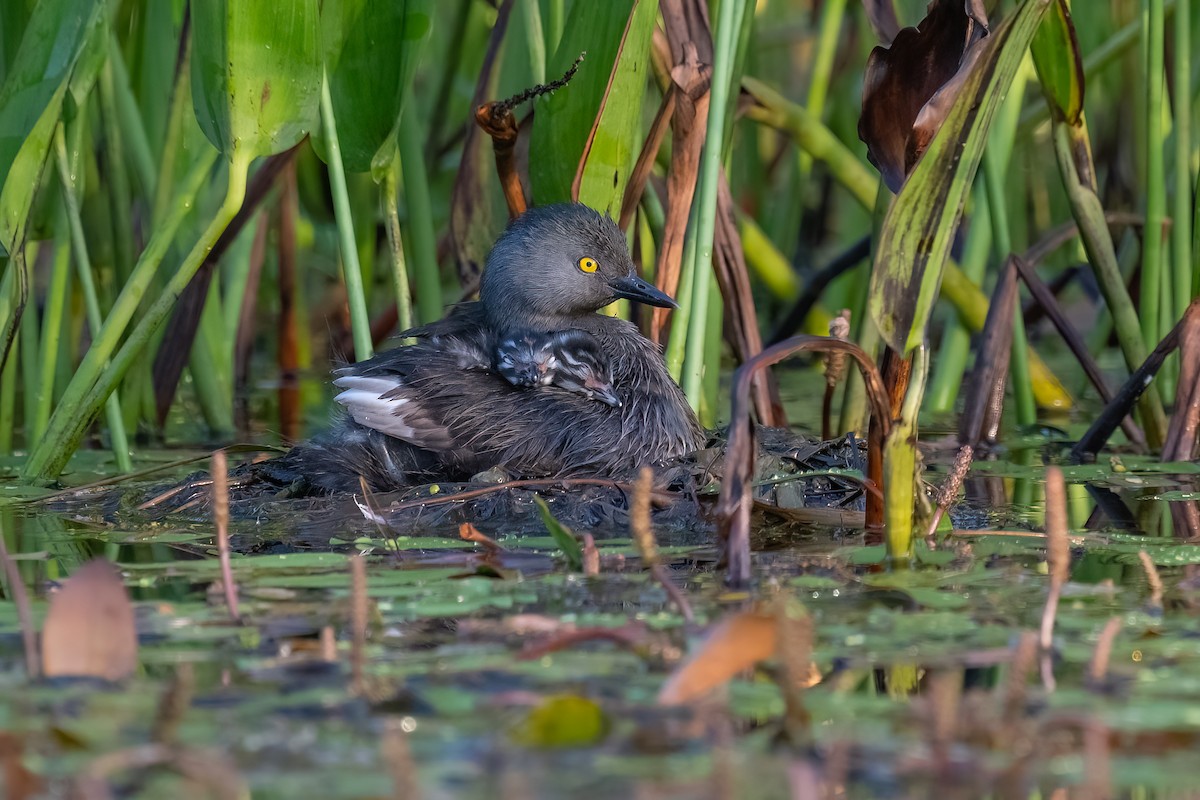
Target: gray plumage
<point>437,409</point>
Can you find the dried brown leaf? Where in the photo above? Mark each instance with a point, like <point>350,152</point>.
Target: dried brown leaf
<point>89,629</point>
<point>736,643</point>
<point>909,87</point>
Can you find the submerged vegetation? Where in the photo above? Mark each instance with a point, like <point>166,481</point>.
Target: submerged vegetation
<point>976,220</point>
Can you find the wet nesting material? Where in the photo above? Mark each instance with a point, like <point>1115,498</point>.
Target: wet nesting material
<point>795,475</point>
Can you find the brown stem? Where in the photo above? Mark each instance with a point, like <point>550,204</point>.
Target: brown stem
<point>737,496</point>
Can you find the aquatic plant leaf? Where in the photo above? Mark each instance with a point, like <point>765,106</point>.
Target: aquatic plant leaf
<point>566,720</point>
<point>371,50</point>
<point>736,643</point>
<point>31,102</point>
<point>1059,64</point>
<point>562,535</point>
<point>909,87</point>
<point>256,74</point>
<point>915,240</point>
<point>89,630</point>
<point>609,151</point>
<point>563,121</point>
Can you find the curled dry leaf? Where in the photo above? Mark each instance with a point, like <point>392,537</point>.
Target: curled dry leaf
<point>89,628</point>
<point>736,643</point>
<point>910,86</point>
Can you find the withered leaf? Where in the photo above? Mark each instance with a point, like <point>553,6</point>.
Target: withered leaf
<point>909,87</point>
<point>89,629</point>
<point>737,642</point>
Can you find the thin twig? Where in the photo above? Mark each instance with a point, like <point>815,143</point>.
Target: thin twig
<point>643,537</point>
<point>471,494</point>
<point>1103,652</point>
<point>220,493</point>
<point>1058,554</point>
<point>1152,578</point>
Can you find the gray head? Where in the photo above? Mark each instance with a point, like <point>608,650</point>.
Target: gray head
<point>556,263</point>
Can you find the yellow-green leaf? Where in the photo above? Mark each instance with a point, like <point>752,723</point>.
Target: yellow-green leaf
<point>1059,65</point>
<point>919,228</point>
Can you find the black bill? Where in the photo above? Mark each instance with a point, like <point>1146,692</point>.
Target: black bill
<point>639,290</point>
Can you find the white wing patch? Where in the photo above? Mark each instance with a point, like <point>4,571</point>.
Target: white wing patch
<point>367,401</point>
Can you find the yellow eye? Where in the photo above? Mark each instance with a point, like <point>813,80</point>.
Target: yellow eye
<point>588,264</point>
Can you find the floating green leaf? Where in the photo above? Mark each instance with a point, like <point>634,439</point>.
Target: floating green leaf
<point>917,232</point>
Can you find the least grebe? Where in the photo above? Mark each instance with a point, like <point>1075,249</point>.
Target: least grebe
<point>570,360</point>
<point>436,409</point>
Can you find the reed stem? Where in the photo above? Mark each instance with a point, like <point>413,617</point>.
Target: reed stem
<point>360,323</point>
<point>705,207</point>
<point>1152,275</point>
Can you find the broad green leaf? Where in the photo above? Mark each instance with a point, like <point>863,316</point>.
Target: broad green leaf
<point>371,51</point>
<point>564,120</point>
<point>256,74</point>
<point>612,145</point>
<point>915,241</point>
<point>562,535</point>
<point>1059,65</point>
<point>31,101</point>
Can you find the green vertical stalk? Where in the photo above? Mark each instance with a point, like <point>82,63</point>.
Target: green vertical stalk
<point>422,241</point>
<point>180,110</point>
<point>133,129</point>
<point>27,346</point>
<point>955,348</point>
<point>360,324</point>
<point>822,70</point>
<point>83,264</point>
<point>391,216</point>
<point>116,178</point>
<point>711,383</point>
<point>1196,241</point>
<point>677,342</point>
<point>93,382</point>
<point>900,473</point>
<point>1155,177</point>
<point>1181,224</point>
<point>210,363</point>
<point>728,26</point>
<point>8,398</point>
<point>52,322</point>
